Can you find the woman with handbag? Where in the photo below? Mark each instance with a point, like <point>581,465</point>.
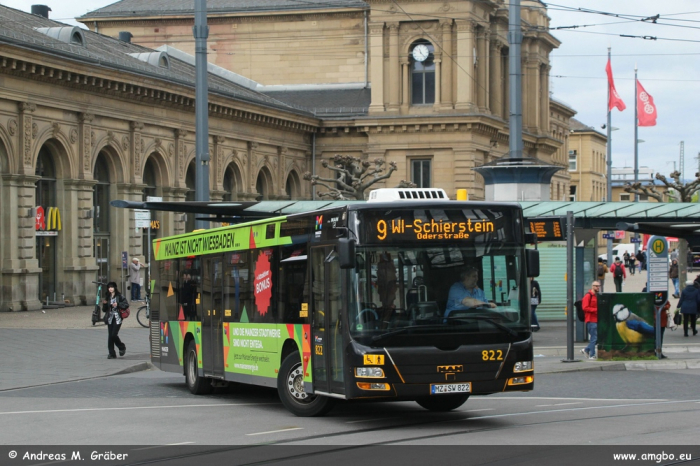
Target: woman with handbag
<point>116,308</point>
<point>689,302</point>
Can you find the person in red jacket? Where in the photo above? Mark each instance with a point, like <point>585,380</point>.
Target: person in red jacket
<point>619,274</point>
<point>590,309</point>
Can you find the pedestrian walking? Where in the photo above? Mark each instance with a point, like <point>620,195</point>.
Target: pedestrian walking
<point>535,300</point>
<point>135,278</point>
<point>111,304</point>
<point>688,304</point>
<point>601,272</point>
<point>590,309</point>
<point>674,254</point>
<point>642,259</point>
<point>626,259</point>
<point>633,265</point>
<point>673,275</point>
<point>619,274</point>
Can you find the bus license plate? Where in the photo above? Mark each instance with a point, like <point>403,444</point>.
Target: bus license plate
<point>439,389</point>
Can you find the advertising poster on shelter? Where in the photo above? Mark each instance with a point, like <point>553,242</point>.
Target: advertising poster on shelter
<point>626,325</point>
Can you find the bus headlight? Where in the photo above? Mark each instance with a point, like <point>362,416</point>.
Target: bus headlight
<point>521,380</point>
<point>522,366</point>
<point>374,372</point>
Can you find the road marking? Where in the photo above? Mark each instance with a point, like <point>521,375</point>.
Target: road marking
<point>520,398</point>
<point>162,446</point>
<point>559,404</point>
<point>477,410</point>
<point>576,409</point>
<point>127,408</point>
<point>277,431</point>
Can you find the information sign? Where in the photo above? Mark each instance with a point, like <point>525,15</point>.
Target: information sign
<point>634,239</point>
<point>657,264</point>
<point>608,235</point>
<point>125,260</point>
<point>547,229</point>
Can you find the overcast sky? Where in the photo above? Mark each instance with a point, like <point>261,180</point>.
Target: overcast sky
<point>669,70</point>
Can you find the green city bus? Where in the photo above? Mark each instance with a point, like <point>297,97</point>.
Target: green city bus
<point>349,302</point>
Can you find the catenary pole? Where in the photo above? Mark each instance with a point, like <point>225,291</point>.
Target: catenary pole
<point>636,148</point>
<point>515,40</point>
<point>201,33</point>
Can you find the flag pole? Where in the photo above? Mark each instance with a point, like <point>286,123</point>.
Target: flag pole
<point>636,148</point>
<point>608,193</point>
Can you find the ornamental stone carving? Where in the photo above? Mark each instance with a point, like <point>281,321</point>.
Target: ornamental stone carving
<point>125,142</point>
<point>73,136</point>
<point>12,126</point>
<point>171,150</point>
<point>35,130</point>
<point>55,129</point>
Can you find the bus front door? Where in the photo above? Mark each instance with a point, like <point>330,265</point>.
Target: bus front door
<point>212,318</point>
<point>327,342</point>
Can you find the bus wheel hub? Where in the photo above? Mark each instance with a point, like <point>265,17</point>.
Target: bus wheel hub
<point>295,383</point>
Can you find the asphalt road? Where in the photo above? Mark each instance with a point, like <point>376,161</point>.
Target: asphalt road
<point>155,408</point>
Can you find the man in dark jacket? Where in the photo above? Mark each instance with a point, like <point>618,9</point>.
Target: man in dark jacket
<point>619,274</point>
<point>590,308</point>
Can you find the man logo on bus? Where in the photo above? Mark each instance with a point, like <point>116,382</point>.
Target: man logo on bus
<point>319,222</point>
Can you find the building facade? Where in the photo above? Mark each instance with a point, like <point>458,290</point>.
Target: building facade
<point>420,83</point>
<point>86,118</point>
<point>587,163</point>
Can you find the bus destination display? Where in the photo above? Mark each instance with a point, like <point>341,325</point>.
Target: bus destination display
<point>421,225</point>
<point>549,229</point>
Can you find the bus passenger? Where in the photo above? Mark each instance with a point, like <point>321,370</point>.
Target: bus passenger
<point>466,294</point>
<point>189,289</point>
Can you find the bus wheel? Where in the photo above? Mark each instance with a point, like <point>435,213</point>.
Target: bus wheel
<point>197,385</point>
<point>442,403</point>
<point>290,385</point>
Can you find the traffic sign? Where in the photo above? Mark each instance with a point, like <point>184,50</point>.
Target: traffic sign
<point>142,214</point>
<point>125,260</point>
<point>657,262</point>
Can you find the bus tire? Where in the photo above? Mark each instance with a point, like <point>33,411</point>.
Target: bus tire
<point>442,403</point>
<point>290,386</point>
<point>197,385</point>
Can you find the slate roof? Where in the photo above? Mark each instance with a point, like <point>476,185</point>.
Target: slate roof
<point>576,125</point>
<point>140,8</point>
<point>326,102</point>
<point>18,28</point>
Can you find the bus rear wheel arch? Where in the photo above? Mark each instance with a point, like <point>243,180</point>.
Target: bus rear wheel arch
<point>442,403</point>
<point>290,386</point>
<point>196,384</point>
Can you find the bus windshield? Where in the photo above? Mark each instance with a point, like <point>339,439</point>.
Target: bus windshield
<point>404,296</point>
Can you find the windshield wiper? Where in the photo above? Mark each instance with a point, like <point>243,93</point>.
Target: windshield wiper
<point>489,320</point>
<point>405,329</point>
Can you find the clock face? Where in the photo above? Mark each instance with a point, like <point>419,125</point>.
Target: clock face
<point>421,52</point>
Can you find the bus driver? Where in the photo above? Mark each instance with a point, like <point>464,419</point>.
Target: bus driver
<point>465,294</point>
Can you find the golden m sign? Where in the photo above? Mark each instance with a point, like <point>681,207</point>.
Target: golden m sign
<point>53,219</point>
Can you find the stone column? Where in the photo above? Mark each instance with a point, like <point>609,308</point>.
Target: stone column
<point>465,64</point>
<point>173,223</point>
<point>20,269</point>
<point>179,165</point>
<point>217,164</point>
<point>85,143</point>
<point>75,267</point>
<point>446,75</point>
<point>405,87</point>
<point>506,87</point>
<point>26,137</point>
<point>544,98</point>
<point>496,79</point>
<point>394,76</point>
<point>376,43</point>
<point>135,151</point>
<point>280,164</point>
<point>438,82</point>
<point>483,70</point>
<point>464,174</point>
<point>251,192</point>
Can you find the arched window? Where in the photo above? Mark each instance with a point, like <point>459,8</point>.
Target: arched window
<point>422,59</point>
<point>100,198</point>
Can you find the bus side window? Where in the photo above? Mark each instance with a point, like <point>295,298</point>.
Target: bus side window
<point>232,287</point>
<point>166,280</point>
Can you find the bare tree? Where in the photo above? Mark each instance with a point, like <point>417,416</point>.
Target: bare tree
<point>354,176</point>
<point>684,191</point>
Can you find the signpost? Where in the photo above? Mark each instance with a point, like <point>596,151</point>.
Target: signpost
<point>608,235</point>
<point>148,260</point>
<point>657,279</point>
<point>125,266</point>
<point>635,240</point>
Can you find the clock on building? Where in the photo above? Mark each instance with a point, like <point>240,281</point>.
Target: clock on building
<point>421,52</point>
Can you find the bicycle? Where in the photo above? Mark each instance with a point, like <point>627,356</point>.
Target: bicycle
<point>98,303</point>
<point>143,315</point>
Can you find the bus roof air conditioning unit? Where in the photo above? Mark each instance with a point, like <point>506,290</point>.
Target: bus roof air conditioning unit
<point>407,194</point>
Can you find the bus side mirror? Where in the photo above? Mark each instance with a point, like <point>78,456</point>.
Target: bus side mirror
<point>346,253</point>
<point>532,256</point>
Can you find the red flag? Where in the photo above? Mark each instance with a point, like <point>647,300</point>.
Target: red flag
<point>614,99</point>
<point>646,110</point>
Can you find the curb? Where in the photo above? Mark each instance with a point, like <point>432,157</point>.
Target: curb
<point>140,367</point>
<point>626,366</point>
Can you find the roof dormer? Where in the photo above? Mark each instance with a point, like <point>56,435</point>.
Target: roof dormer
<point>72,35</point>
<point>159,59</point>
